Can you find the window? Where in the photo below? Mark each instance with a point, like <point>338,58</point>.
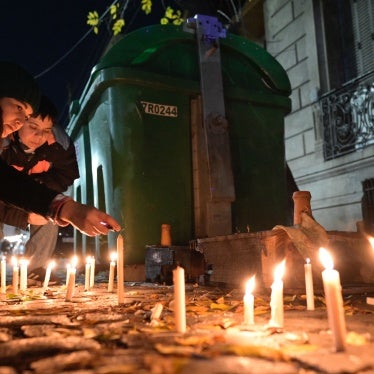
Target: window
<point>345,43</point>
<point>363,33</point>
<point>345,40</point>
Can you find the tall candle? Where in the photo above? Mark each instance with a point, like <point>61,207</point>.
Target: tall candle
<point>120,266</point>
<point>92,272</point>
<point>68,267</point>
<point>276,300</point>
<point>48,271</point>
<point>112,266</point>
<point>309,285</point>
<point>23,274</point>
<point>3,274</point>
<point>15,277</point>
<point>179,299</point>
<point>248,300</point>
<point>87,274</point>
<point>71,284</point>
<point>334,300</point>
<point>72,265</point>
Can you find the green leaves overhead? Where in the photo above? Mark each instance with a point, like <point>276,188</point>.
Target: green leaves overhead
<point>114,16</point>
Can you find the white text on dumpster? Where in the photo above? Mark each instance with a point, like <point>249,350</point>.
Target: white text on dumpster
<point>160,109</point>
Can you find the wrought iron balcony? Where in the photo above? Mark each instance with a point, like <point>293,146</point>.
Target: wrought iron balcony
<point>348,117</point>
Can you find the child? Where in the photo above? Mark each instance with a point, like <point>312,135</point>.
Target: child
<point>43,150</point>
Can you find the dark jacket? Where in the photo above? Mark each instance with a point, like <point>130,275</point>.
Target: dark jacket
<point>54,165</point>
<point>22,191</point>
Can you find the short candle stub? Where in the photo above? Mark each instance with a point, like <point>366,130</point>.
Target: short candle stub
<point>301,204</point>
<point>165,235</point>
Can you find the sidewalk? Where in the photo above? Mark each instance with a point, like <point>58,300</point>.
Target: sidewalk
<point>93,334</point>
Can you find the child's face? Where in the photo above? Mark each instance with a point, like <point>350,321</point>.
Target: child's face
<point>15,114</point>
<point>35,132</point>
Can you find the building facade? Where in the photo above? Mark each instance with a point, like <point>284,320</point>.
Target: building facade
<point>327,49</point>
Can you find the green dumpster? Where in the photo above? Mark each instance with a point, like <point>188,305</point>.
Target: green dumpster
<point>133,128</point>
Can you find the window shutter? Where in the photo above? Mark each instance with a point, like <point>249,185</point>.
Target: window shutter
<point>363,30</point>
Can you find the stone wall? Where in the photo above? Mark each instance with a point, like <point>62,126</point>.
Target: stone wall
<point>335,185</point>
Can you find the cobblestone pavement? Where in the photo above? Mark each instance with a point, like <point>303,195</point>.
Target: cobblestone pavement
<point>40,332</point>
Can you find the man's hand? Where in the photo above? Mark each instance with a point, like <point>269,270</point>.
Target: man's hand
<point>36,219</point>
<point>87,219</point>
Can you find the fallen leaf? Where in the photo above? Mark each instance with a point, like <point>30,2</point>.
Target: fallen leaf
<point>216,306</point>
<point>201,340</point>
<point>354,338</point>
<point>185,351</point>
<point>295,349</point>
<point>257,351</point>
<point>196,308</point>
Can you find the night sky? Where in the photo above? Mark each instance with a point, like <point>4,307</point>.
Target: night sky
<point>47,37</point>
<point>53,42</point>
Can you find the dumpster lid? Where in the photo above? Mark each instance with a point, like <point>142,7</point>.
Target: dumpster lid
<point>172,51</point>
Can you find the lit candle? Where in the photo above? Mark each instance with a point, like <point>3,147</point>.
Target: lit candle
<point>179,299</point>
<point>249,302</point>
<point>276,300</point>
<point>48,271</point>
<point>87,274</point>
<point>120,274</point>
<point>72,265</point>
<point>23,274</point>
<point>74,262</point>
<point>112,267</point>
<point>309,285</point>
<point>334,300</point>
<point>3,274</point>
<point>15,275</point>
<point>71,284</point>
<point>68,267</point>
<point>92,272</point>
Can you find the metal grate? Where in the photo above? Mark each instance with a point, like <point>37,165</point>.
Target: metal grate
<point>348,117</point>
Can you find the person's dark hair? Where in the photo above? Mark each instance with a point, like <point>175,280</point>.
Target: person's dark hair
<point>46,109</point>
<point>17,83</point>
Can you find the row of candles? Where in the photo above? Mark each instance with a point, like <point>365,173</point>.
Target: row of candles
<point>333,298</point>
<point>332,289</point>
<point>19,281</point>
<point>330,277</point>
<point>20,272</point>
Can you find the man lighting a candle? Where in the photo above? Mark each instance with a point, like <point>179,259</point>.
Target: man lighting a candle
<point>43,150</point>
<point>19,98</point>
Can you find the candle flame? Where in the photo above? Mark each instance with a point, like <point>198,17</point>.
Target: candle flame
<point>74,261</point>
<point>326,259</point>
<point>113,256</point>
<point>14,261</point>
<point>371,241</point>
<point>279,270</point>
<point>23,261</point>
<point>307,260</point>
<point>88,259</point>
<point>250,285</point>
<point>52,264</point>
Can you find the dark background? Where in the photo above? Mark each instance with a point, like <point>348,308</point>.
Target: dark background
<point>53,42</point>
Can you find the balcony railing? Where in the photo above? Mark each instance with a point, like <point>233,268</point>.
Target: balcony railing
<point>348,117</point>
